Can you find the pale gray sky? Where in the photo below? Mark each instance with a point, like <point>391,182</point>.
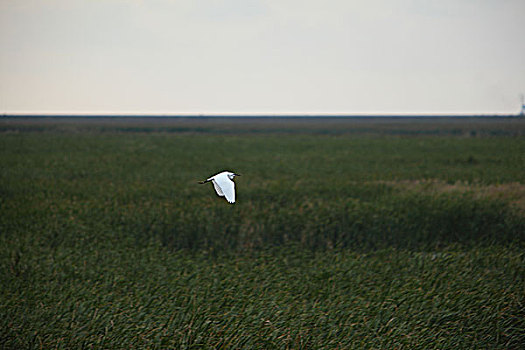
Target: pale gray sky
<point>262,56</point>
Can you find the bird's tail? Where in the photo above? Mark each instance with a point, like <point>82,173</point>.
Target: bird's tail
<point>203,182</point>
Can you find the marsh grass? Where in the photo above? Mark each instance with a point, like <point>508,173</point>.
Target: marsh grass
<point>348,241</point>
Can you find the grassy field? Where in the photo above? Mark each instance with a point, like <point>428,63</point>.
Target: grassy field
<point>347,233</point>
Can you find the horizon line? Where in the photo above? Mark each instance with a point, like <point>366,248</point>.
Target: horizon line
<point>250,114</point>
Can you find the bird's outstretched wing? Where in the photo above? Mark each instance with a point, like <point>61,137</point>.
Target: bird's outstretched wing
<point>225,187</point>
<point>217,188</point>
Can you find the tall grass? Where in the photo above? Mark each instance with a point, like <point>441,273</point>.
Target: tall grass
<point>107,240</point>
<point>285,298</point>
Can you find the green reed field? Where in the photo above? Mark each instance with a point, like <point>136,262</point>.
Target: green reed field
<point>354,233</point>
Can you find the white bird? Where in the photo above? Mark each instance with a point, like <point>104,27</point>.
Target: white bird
<point>224,185</point>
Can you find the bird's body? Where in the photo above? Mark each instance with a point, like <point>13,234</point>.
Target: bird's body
<point>224,185</point>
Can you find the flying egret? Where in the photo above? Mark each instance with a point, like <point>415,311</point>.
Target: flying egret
<point>224,185</point>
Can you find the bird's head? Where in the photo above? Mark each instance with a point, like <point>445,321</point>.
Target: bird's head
<point>232,175</point>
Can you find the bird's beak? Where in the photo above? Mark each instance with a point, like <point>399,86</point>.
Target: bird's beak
<point>237,174</point>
